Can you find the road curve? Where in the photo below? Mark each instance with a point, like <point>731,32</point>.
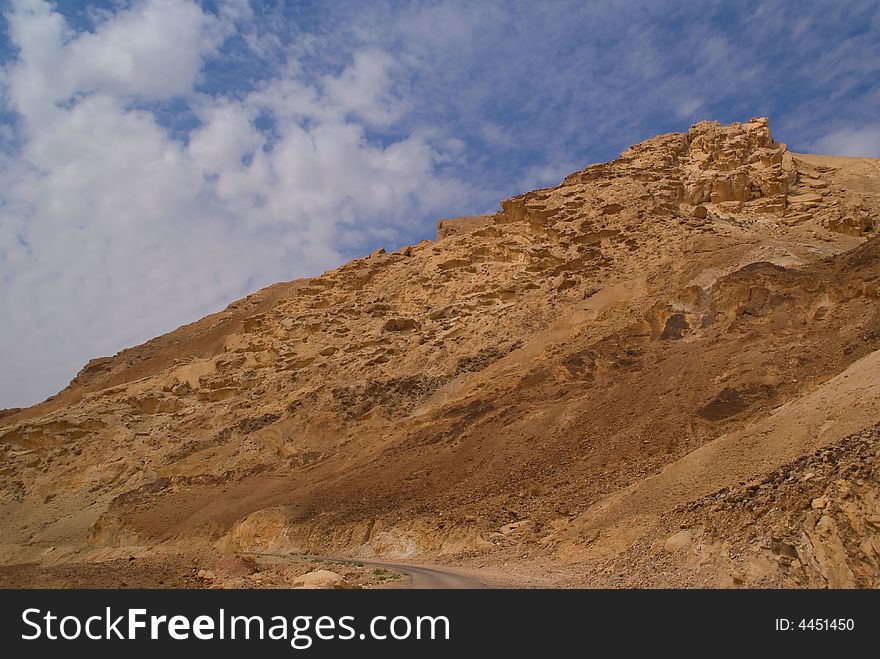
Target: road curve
<point>420,576</point>
<point>429,577</point>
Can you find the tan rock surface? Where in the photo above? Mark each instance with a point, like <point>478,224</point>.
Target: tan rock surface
<point>317,579</point>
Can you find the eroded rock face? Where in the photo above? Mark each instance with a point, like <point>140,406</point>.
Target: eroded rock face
<point>523,366</point>
<point>737,164</point>
<point>458,225</point>
<point>820,520</point>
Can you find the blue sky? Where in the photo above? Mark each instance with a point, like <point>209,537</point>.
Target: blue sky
<point>160,158</point>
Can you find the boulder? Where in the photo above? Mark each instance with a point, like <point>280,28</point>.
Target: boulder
<point>231,567</point>
<point>318,579</point>
<point>678,541</point>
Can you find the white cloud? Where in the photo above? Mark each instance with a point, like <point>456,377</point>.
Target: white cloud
<point>153,50</point>
<point>688,107</point>
<point>863,141</point>
<point>363,89</point>
<point>112,231</point>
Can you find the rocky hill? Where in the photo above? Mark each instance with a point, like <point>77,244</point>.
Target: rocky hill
<point>662,371</point>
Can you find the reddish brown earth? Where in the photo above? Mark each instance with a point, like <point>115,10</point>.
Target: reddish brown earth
<point>662,372</point>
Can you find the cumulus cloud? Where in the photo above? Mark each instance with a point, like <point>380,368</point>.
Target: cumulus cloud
<point>363,89</point>
<point>154,50</point>
<point>113,230</point>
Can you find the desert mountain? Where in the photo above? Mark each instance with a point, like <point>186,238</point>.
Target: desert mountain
<point>664,371</point>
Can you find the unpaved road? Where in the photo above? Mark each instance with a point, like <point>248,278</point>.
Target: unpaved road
<point>420,576</point>
<point>429,577</point>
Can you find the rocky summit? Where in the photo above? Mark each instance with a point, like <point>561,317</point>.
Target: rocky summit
<point>664,371</point>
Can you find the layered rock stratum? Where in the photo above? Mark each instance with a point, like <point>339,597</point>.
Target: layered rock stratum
<point>664,371</point>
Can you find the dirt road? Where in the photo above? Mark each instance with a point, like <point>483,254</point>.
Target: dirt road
<point>429,577</point>
<point>420,575</point>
